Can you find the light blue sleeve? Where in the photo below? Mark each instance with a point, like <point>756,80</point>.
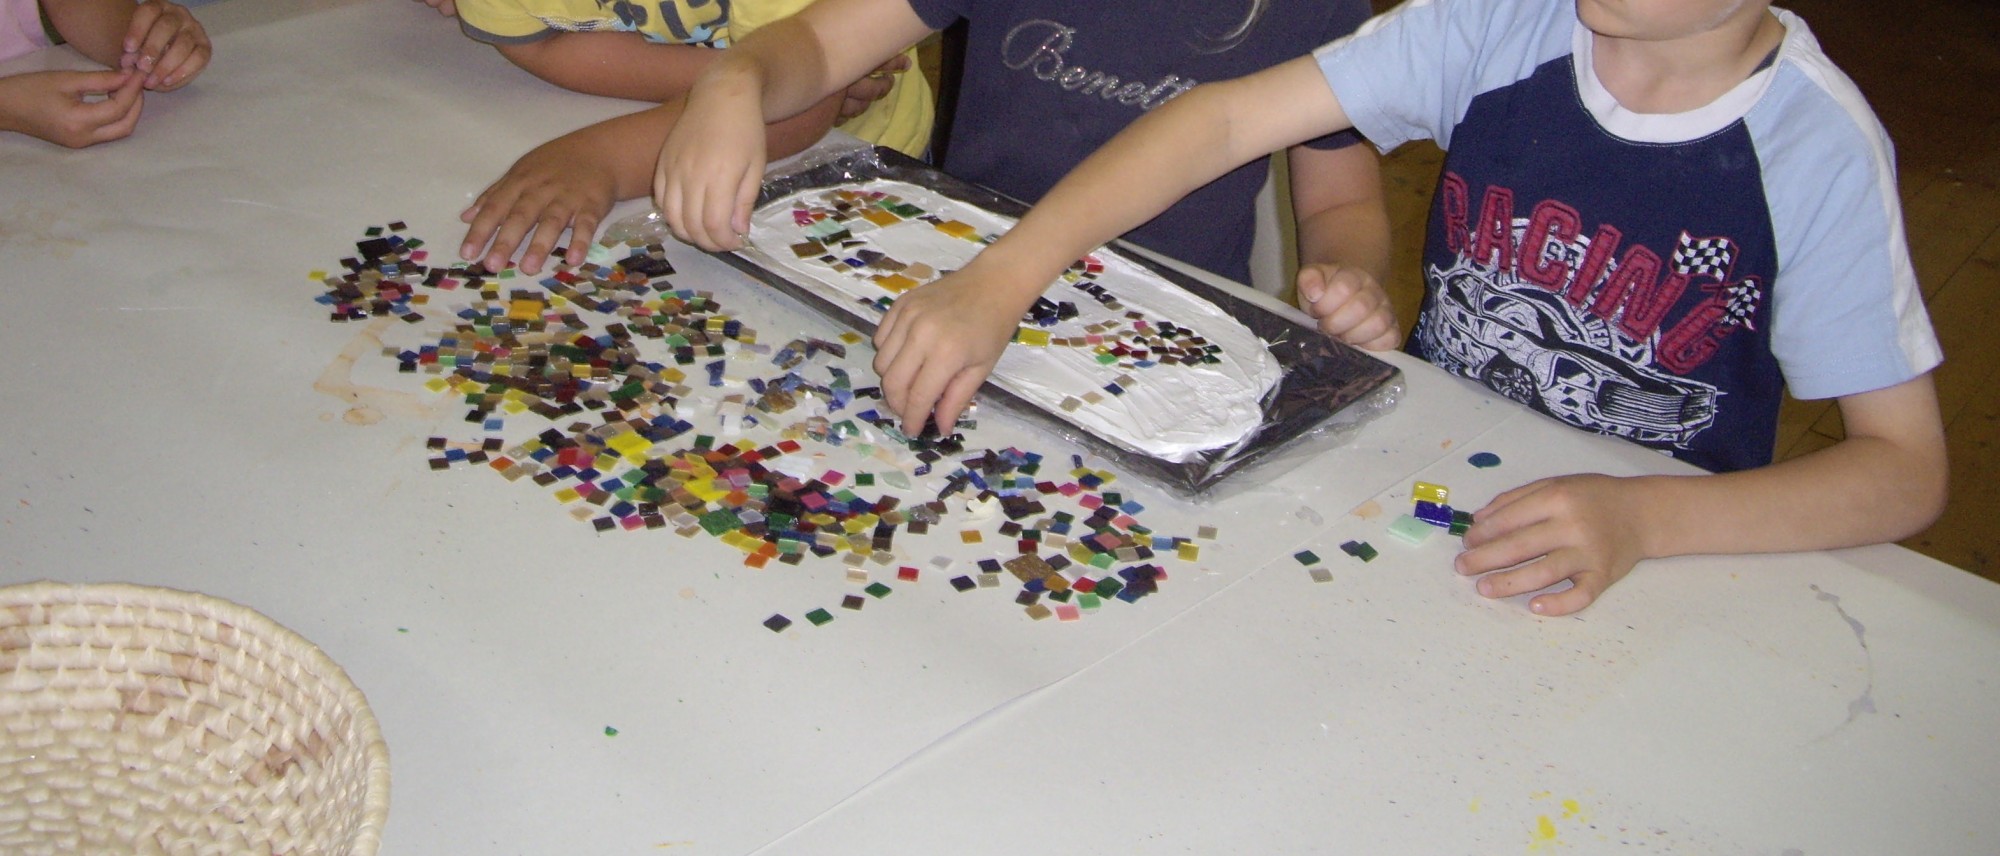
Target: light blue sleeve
<point>1847,314</point>
<point>1409,73</point>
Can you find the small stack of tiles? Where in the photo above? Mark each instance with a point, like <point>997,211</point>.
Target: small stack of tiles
<point>640,406</point>
<point>1430,510</point>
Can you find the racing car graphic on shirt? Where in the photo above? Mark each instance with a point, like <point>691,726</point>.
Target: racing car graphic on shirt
<point>1530,345</point>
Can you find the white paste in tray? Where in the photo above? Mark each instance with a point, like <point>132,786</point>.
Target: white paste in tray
<point>1171,401</point>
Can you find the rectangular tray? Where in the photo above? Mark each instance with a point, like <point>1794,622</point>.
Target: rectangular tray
<point>1327,386</point>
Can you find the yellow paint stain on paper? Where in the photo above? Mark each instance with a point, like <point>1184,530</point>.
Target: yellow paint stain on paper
<point>1573,810</point>
<point>1545,835</point>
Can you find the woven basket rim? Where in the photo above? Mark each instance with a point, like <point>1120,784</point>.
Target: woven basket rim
<point>375,802</point>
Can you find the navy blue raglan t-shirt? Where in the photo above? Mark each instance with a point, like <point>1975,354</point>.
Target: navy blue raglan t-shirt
<point>1046,82</point>
<point>1658,277</point>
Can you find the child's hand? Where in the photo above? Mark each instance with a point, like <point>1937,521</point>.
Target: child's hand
<point>871,88</point>
<point>563,183</point>
<point>936,346</point>
<point>1581,528</point>
<point>711,166</point>
<point>56,105</point>
<point>1349,305</point>
<point>165,44</point>
<point>447,8</point>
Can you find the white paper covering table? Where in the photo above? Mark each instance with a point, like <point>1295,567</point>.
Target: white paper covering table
<point>178,412</point>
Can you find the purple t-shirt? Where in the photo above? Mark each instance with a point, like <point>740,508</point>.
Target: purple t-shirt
<point>21,28</point>
<point>1046,82</point>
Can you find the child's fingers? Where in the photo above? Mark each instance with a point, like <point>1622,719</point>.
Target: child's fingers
<point>479,226</point>
<point>956,397</point>
<point>667,198</point>
<point>1361,322</point>
<point>888,347</point>
<point>1518,547</point>
<point>1348,306</point>
<point>514,228</point>
<point>184,59</point>
<point>727,214</point>
<point>562,210</point>
<point>485,215</point>
<point>1504,544</point>
<point>127,95</point>
<point>539,217</point>
<point>746,198</point>
<point>884,333</point>
<point>925,390</point>
<point>1380,335</point>
<point>1534,576</point>
<point>707,213</point>
<point>161,36</point>
<point>547,230</point>
<point>82,84</point>
<point>1497,504</point>
<point>136,30</point>
<point>897,366</point>
<point>1583,591</point>
<point>1311,286</point>
<point>706,210</point>
<point>125,103</point>
<point>582,228</point>
<point>1511,510</point>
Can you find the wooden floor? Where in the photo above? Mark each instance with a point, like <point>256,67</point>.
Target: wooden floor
<point>1931,69</point>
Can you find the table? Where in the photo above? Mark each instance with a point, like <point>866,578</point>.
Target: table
<point>180,413</point>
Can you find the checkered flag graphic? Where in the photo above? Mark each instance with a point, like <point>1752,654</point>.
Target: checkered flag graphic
<point>1741,303</point>
<point>1704,257</point>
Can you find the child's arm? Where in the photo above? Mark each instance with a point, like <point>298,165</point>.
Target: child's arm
<point>614,65</point>
<point>711,166</point>
<point>54,105</point>
<point>1343,240</point>
<point>1884,482</point>
<point>625,65</point>
<point>938,342</point>
<point>571,182</point>
<point>158,39</point>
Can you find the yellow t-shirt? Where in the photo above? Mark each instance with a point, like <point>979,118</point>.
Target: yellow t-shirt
<point>673,22</point>
<point>900,120</point>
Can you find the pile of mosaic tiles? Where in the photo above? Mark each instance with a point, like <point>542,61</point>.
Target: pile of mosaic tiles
<point>633,443</point>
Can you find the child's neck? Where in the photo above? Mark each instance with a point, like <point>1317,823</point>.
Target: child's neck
<point>1682,74</point>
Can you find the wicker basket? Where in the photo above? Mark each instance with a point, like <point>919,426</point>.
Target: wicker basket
<point>148,720</point>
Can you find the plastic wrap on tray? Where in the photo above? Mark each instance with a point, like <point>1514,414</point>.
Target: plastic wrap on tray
<point>1327,390</point>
